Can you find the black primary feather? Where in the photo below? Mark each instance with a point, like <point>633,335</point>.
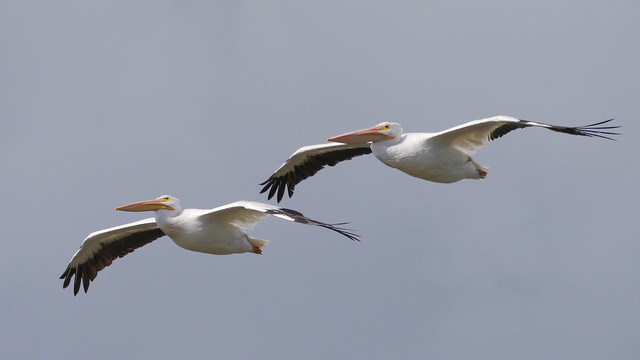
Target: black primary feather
<point>88,270</point>
<point>309,168</point>
<point>591,130</point>
<point>299,218</point>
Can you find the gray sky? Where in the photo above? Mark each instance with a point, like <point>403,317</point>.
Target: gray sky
<point>106,103</point>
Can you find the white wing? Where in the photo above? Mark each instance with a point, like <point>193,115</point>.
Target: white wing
<point>471,136</point>
<point>307,161</point>
<point>100,248</point>
<point>247,214</point>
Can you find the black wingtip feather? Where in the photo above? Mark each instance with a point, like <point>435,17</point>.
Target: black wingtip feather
<point>273,190</point>
<point>591,130</point>
<point>66,275</point>
<point>87,271</point>
<point>85,282</point>
<point>281,189</point>
<point>300,218</point>
<point>76,281</point>
<point>595,130</point>
<point>346,232</point>
<point>307,169</point>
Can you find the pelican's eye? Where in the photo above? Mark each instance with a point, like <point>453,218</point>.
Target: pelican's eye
<point>165,198</point>
<point>384,127</point>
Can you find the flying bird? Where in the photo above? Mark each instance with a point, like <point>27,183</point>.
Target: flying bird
<point>443,157</point>
<point>218,231</point>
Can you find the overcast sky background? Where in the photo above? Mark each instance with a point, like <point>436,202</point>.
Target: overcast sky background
<point>106,103</point>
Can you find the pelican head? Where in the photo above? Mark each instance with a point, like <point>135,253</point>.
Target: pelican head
<point>380,132</point>
<point>164,202</point>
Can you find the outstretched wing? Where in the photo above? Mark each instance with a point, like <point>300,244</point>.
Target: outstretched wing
<point>471,136</point>
<point>307,161</point>
<point>100,248</point>
<point>247,214</point>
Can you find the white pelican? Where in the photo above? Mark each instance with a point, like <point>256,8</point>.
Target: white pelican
<point>443,157</point>
<point>217,231</point>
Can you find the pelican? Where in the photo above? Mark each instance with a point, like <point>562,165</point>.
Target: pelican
<point>443,157</point>
<point>218,231</point>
